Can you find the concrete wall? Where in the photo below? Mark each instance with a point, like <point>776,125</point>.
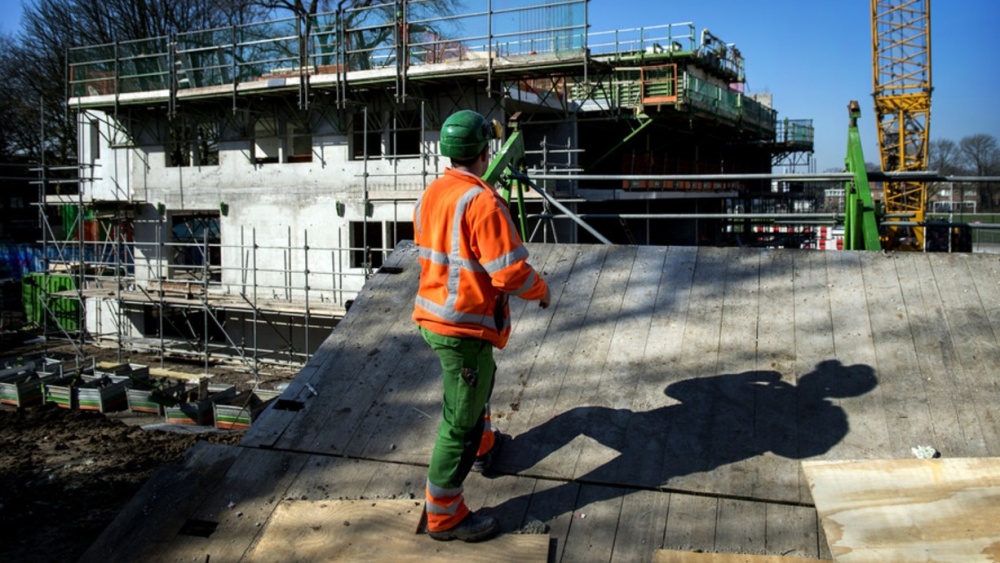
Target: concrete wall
<point>280,210</point>
<point>105,170</point>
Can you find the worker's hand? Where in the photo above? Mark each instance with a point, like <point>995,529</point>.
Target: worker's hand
<point>544,303</point>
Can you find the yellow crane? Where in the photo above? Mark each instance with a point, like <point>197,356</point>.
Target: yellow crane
<point>901,54</point>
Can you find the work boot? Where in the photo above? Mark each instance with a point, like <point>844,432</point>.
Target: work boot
<point>484,462</point>
<point>473,528</point>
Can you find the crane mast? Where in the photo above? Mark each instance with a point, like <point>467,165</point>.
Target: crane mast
<point>901,53</point>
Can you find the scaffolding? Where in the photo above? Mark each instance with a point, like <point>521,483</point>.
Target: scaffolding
<point>379,80</point>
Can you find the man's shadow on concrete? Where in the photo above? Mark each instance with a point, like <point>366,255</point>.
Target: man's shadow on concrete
<point>719,420</point>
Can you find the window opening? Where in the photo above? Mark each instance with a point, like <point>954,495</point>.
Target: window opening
<point>365,138</point>
<point>95,140</point>
<point>382,239</point>
<point>359,254</point>
<point>404,139</point>
<point>193,144</point>
<point>188,249</point>
<point>266,150</point>
<point>300,144</point>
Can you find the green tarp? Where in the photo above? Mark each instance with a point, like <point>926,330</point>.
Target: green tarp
<point>37,296</point>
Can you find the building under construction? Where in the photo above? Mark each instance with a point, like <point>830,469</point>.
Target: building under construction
<point>237,186</point>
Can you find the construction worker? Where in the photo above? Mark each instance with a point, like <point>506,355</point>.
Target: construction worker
<point>471,260</point>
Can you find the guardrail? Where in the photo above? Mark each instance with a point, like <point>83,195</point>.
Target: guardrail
<point>386,35</point>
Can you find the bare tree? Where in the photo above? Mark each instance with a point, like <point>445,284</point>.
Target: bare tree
<point>105,21</point>
<point>19,134</point>
<point>368,29</point>
<point>981,155</point>
<point>36,63</point>
<point>944,157</point>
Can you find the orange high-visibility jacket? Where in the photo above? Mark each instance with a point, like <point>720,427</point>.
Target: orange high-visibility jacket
<point>471,259</point>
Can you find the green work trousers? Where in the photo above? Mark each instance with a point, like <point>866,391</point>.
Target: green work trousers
<point>467,370</point>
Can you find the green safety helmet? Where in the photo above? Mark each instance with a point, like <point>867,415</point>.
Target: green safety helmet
<point>466,133</point>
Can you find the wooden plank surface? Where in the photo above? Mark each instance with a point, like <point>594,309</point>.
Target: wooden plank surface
<point>148,525</point>
<point>553,503</point>
<point>908,420</point>
<point>791,530</point>
<point>856,426</point>
<point>391,412</point>
<point>237,506</point>
<point>330,368</point>
<point>742,526</point>
<point>909,509</point>
<point>587,364</point>
<point>505,497</point>
<point>539,380</point>
<point>730,449</point>
<point>659,366</point>
<point>813,348</point>
<point>595,522</point>
<point>686,458</point>
<point>344,362</point>
<point>975,344</point>
<point>518,387</point>
<point>957,432</point>
<point>348,386</point>
<point>557,375</point>
<point>669,556</point>
<point>691,523</point>
<point>374,530</point>
<point>985,274</point>
<point>790,361</point>
<point>641,526</point>
<point>325,477</point>
<point>776,420</point>
<point>623,364</point>
<point>610,455</point>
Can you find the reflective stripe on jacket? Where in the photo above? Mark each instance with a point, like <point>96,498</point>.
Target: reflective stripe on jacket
<point>471,259</point>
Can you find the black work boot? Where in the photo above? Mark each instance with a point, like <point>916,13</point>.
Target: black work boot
<point>473,528</point>
<point>484,462</point>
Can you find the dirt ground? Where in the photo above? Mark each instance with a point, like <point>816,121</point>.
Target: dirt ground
<point>65,475</point>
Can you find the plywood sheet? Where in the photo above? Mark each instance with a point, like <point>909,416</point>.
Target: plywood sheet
<point>909,509</point>
<point>381,530</point>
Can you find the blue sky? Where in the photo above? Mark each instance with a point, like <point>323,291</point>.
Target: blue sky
<point>814,57</point>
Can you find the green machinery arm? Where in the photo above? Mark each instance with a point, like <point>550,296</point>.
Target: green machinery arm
<point>507,168</point>
<point>510,157</point>
<point>860,221</point>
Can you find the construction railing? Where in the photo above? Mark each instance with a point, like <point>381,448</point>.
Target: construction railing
<point>677,38</point>
<point>396,34</point>
<point>795,132</point>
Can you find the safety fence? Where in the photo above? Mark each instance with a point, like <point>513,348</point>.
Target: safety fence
<point>398,34</point>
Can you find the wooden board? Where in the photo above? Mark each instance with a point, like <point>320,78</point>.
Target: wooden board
<point>313,387</point>
<point>687,460</point>
<point>792,530</point>
<point>732,409</point>
<point>552,375</point>
<point>978,348</point>
<point>235,507</point>
<point>375,530</point>
<point>160,372</point>
<point>813,339</point>
<point>595,522</point>
<point>909,509</point>
<point>666,556</point>
<point>691,522</point>
<point>641,525</point>
<point>956,428</point>
<point>147,527</point>
<point>844,377</point>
